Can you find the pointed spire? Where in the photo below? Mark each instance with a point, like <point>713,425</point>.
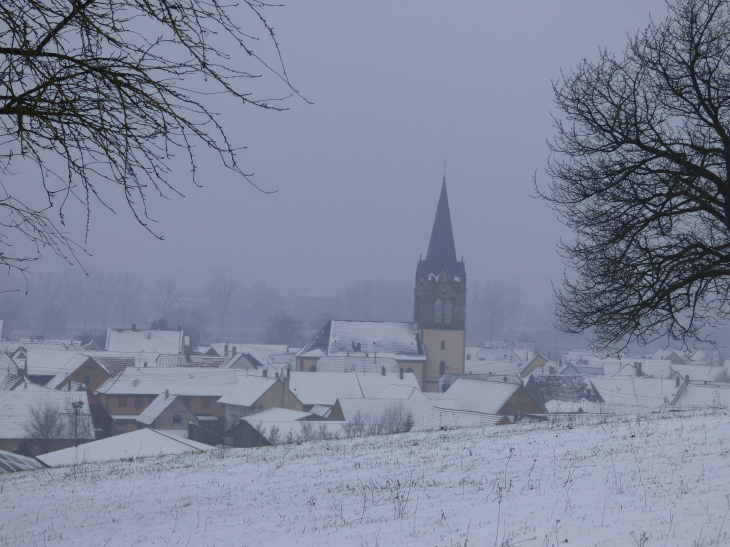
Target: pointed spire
<point>441,248</point>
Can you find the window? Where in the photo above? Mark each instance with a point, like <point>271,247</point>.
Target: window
<point>409,370</point>
<point>176,419</point>
<point>443,344</point>
<point>138,401</point>
<point>442,368</point>
<point>313,368</point>
<point>206,402</point>
<point>87,379</point>
<point>122,401</point>
<point>437,310</point>
<point>186,401</point>
<point>448,312</point>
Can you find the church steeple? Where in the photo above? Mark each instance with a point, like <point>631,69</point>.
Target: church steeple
<point>441,249</point>
<point>439,303</point>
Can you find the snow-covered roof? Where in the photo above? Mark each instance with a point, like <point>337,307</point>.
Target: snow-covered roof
<point>276,414</point>
<point>384,338</point>
<point>177,360</point>
<point>401,392</point>
<point>440,416</point>
<point>16,406</point>
<point>247,390</point>
<point>497,368</point>
<point>565,393</point>
<point>178,380</point>
<point>377,408</point>
<point>10,462</point>
<point>357,363</point>
<point>698,395</point>
<point>480,396</point>
<point>146,341</point>
<point>632,395</point>
<point>324,388</point>
<point>137,444</point>
<point>47,363</point>
<point>9,381</point>
<point>155,408</point>
<point>77,360</point>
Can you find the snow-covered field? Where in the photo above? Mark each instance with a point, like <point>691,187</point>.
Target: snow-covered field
<point>662,480</point>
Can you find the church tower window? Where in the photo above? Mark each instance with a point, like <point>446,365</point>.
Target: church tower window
<point>437,311</point>
<point>449,312</point>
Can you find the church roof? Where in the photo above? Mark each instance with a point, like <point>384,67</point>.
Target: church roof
<point>441,248</point>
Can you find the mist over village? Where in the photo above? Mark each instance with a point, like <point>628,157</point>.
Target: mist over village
<point>414,273</point>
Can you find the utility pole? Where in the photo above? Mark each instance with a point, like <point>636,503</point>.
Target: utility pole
<point>77,406</point>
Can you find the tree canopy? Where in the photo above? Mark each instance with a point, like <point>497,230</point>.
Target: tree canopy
<point>102,93</point>
<point>640,171</point>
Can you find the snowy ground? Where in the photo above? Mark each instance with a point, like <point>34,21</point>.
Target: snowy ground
<point>624,481</point>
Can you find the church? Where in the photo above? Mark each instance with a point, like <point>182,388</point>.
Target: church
<point>429,347</point>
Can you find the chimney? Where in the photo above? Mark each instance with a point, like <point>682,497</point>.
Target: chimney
<point>225,350</point>
<point>686,378</point>
<point>550,355</point>
<point>233,351</point>
<point>134,326</point>
<point>676,384</point>
<point>638,368</point>
<point>401,373</point>
<point>179,327</point>
<point>382,371</point>
<point>167,393</point>
<point>264,373</point>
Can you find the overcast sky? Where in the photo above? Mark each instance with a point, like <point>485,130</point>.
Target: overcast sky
<point>394,87</point>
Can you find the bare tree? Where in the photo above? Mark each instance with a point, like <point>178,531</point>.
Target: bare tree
<point>640,172</point>
<point>46,422</point>
<point>99,95</point>
<point>221,293</point>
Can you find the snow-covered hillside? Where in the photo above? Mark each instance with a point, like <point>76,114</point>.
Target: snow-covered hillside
<point>619,481</point>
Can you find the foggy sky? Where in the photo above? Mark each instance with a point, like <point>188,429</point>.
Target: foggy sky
<point>395,86</point>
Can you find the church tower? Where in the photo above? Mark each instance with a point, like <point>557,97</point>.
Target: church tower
<point>439,305</point>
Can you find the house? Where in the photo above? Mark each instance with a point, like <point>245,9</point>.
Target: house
<point>80,370</point>
<point>675,357</point>
<point>179,360</point>
<point>564,393</point>
<point>17,431</point>
<point>282,426</point>
<point>145,341</point>
<point>493,398</point>
<point>166,412</point>
<point>634,395</point>
<point>396,345</point>
<point>537,362</point>
<point>324,388</point>
<point>144,443</point>
<point>701,395</point>
<point>254,394</point>
<point>127,395</point>
<point>241,435</point>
